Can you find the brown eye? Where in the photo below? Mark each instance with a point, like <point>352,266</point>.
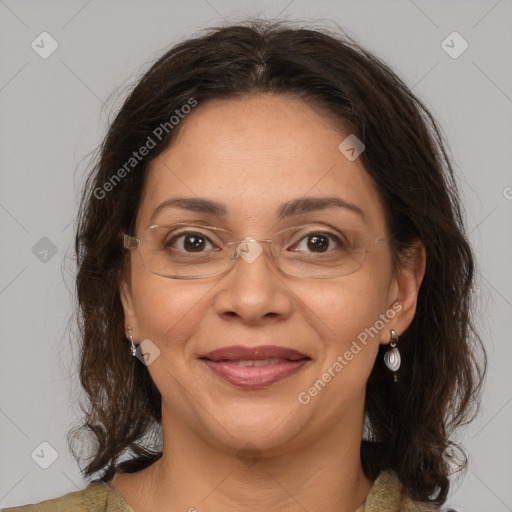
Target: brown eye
<point>189,242</point>
<point>318,243</point>
<point>194,243</point>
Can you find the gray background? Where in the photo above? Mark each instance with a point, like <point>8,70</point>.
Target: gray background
<point>53,116</point>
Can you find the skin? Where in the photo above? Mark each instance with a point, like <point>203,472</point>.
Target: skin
<point>253,154</point>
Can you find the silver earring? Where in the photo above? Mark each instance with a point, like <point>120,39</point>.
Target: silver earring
<point>392,357</point>
<point>133,348</point>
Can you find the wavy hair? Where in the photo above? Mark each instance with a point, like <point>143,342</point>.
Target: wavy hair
<point>409,424</point>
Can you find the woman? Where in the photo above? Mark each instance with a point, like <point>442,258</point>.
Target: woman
<point>273,225</point>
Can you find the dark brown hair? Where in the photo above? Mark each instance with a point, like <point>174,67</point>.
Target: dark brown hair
<point>409,424</point>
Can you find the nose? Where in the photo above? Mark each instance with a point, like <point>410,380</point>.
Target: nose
<point>253,289</point>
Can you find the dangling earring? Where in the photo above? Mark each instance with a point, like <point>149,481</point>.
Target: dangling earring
<point>133,348</point>
<point>392,356</point>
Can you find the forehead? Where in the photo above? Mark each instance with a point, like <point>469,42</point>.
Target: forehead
<point>256,153</point>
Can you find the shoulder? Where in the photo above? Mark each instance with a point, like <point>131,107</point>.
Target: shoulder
<point>98,496</point>
<point>388,493</point>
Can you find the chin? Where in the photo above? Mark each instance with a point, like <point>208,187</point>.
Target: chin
<point>265,429</point>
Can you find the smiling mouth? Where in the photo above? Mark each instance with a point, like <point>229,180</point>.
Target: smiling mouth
<point>255,373</point>
<point>252,362</point>
<point>257,353</point>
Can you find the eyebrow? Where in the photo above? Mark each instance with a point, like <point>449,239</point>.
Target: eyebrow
<point>288,209</point>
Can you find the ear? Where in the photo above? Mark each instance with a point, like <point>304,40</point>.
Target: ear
<point>130,318</point>
<point>404,289</point>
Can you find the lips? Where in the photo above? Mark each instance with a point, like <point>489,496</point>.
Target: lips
<point>240,353</point>
<point>256,367</point>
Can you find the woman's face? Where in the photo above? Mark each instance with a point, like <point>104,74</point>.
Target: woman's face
<point>252,156</point>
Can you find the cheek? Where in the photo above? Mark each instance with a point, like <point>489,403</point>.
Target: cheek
<point>351,306</point>
<point>166,309</point>
<point>351,318</point>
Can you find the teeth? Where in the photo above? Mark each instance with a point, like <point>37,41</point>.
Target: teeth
<point>245,363</point>
<point>260,362</point>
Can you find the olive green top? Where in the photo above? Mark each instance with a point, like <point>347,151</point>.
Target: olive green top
<point>386,495</point>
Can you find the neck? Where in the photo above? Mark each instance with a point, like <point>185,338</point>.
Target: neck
<point>323,474</point>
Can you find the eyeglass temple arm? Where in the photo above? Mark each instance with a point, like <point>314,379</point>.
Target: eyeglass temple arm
<point>130,241</point>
